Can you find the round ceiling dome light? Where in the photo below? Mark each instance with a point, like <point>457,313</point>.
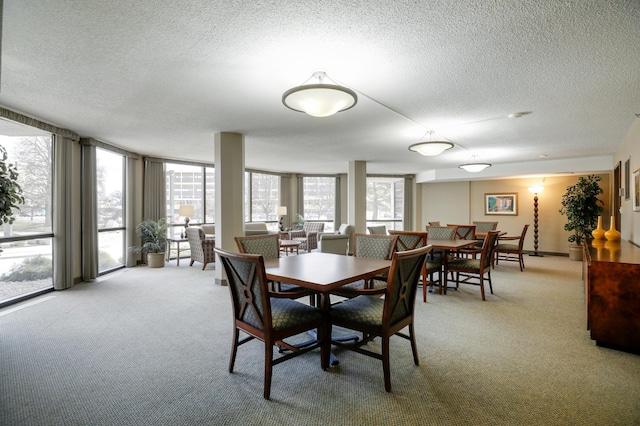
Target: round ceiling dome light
<point>320,100</point>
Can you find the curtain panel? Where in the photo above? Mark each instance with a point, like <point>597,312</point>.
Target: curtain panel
<point>154,204</point>
<point>89,213</point>
<point>63,213</point>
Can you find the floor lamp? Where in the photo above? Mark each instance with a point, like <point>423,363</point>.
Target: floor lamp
<point>535,190</point>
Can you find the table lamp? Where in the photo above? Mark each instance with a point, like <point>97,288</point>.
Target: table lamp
<point>186,211</point>
<point>281,211</point>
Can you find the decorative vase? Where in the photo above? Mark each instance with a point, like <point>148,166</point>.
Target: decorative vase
<point>598,233</point>
<point>612,234</point>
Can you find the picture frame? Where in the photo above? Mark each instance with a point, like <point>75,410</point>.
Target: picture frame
<point>636,190</point>
<point>502,203</point>
<point>627,186</point>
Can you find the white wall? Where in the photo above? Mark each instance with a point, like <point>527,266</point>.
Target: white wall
<point>629,149</point>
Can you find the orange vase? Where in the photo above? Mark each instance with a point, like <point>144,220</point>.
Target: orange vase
<point>598,233</point>
<point>612,234</point>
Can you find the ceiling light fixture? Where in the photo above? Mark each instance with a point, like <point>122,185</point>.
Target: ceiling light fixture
<point>431,148</point>
<point>319,100</point>
<point>474,165</point>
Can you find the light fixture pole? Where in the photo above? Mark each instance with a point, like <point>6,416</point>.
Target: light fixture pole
<point>536,189</point>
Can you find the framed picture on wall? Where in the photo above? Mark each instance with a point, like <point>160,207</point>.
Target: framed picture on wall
<point>636,190</point>
<point>501,204</point>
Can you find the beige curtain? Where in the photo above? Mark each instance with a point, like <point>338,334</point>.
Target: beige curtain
<point>63,209</point>
<point>154,204</point>
<point>89,213</point>
<point>130,202</point>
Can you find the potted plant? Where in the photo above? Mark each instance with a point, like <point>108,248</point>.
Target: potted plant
<point>154,241</point>
<point>582,207</point>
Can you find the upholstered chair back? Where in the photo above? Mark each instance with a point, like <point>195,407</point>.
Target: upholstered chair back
<point>267,245</point>
<point>374,246</point>
<point>442,232</point>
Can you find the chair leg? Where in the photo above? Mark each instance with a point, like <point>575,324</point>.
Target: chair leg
<point>191,264</point>
<point>234,349</point>
<point>424,289</point>
<point>385,363</point>
<point>414,347</point>
<point>489,278</point>
<point>268,368</point>
<point>521,261</point>
<point>203,266</point>
<point>482,285</point>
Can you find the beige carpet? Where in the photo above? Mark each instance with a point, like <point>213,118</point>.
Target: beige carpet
<point>151,346</point>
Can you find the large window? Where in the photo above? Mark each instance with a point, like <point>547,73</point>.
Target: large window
<point>110,197</point>
<point>189,186</point>
<point>262,198</point>
<point>27,255</point>
<point>385,202</point>
<point>319,200</point>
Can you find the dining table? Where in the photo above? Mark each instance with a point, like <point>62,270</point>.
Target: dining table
<point>323,273</point>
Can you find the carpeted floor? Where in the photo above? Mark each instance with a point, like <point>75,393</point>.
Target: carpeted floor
<point>150,347</point>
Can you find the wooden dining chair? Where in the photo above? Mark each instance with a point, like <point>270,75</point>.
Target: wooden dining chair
<point>385,317</point>
<point>510,248</point>
<point>374,246</point>
<point>473,270</point>
<point>411,240</point>
<point>465,232</point>
<point>268,246</point>
<point>265,318</point>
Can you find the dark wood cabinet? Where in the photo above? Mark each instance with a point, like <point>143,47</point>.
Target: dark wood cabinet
<point>612,284</point>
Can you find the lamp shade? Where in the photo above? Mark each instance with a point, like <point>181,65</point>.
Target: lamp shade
<point>186,211</point>
<point>474,167</point>
<point>536,189</point>
<point>281,210</point>
<point>319,100</point>
<point>429,149</point>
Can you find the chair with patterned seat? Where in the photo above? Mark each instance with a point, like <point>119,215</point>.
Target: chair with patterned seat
<point>511,250</point>
<point>265,318</point>
<point>465,232</point>
<point>385,317</point>
<point>308,235</point>
<point>473,270</point>
<point>481,230</point>
<point>411,240</point>
<point>374,247</point>
<point>268,246</point>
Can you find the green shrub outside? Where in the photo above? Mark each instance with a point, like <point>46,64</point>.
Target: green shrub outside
<point>32,269</point>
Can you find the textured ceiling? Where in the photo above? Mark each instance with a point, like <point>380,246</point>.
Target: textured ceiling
<point>162,77</point>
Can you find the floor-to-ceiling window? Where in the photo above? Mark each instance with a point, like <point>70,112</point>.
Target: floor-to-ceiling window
<point>190,193</point>
<point>385,202</point>
<point>319,200</point>
<point>27,256</point>
<point>110,178</point>
<point>262,198</point>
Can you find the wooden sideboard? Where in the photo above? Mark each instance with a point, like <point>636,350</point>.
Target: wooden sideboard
<point>612,285</point>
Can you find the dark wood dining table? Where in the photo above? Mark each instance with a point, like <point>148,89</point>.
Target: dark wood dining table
<point>324,272</point>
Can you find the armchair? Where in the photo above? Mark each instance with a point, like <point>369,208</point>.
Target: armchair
<point>333,243</point>
<point>348,230</point>
<point>308,235</point>
<point>201,247</point>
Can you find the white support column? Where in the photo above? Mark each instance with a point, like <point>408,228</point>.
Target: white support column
<point>357,195</point>
<point>229,167</point>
